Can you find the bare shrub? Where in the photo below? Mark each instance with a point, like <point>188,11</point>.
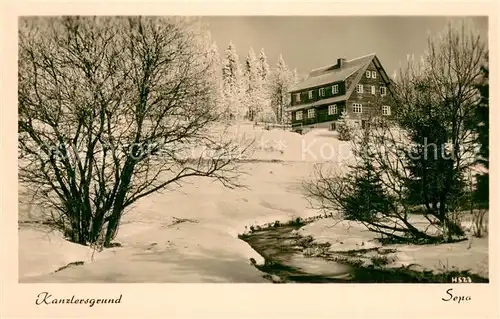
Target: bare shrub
<point>113,109</point>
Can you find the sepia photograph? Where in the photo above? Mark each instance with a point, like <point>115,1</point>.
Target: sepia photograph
<point>253,149</point>
<point>204,159</point>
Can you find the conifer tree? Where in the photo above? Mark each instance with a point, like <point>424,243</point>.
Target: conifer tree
<point>262,95</point>
<point>480,125</point>
<point>215,72</point>
<point>366,196</point>
<point>280,83</point>
<point>295,77</point>
<point>232,84</point>
<point>343,127</point>
<point>263,66</point>
<point>252,85</point>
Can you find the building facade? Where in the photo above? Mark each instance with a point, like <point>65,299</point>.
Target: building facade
<point>360,87</point>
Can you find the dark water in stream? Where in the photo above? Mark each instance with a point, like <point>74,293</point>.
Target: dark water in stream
<point>283,249</point>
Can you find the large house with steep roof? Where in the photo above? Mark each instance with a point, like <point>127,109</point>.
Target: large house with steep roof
<point>360,87</point>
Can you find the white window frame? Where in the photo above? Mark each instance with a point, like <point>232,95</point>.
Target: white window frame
<point>359,88</point>
<point>310,94</point>
<point>332,109</point>
<point>386,110</point>
<point>322,92</point>
<point>311,113</point>
<point>298,115</point>
<point>335,89</point>
<point>357,108</point>
<point>368,74</point>
<point>297,97</point>
<point>374,90</point>
<point>384,90</point>
<point>374,74</point>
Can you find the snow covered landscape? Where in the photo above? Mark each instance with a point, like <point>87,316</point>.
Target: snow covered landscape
<point>191,235</point>
<point>145,155</point>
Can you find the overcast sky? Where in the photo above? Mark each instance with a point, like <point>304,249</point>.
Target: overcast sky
<point>310,42</point>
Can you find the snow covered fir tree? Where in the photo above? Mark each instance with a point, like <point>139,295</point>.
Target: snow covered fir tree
<point>343,127</point>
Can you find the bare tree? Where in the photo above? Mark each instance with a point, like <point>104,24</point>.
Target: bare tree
<point>421,158</point>
<point>111,110</point>
<point>443,98</point>
<point>371,189</point>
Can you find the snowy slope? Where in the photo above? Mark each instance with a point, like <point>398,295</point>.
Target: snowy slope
<point>206,243</point>
<point>190,235</point>
<point>203,248</point>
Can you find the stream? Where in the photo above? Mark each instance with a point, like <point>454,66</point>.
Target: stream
<point>286,262</point>
<point>283,249</point>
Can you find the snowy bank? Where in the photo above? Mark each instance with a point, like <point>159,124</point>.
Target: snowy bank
<point>43,251</point>
<point>188,235</point>
<point>347,236</point>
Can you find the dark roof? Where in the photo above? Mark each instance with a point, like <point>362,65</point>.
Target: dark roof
<point>331,73</point>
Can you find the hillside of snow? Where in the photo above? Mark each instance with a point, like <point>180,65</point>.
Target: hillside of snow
<point>190,235</point>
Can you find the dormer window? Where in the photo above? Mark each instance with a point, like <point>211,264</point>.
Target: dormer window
<point>322,92</point>
<point>310,94</point>
<point>297,97</point>
<point>368,74</point>
<point>335,89</point>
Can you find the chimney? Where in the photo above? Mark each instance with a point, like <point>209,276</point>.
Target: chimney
<point>340,62</point>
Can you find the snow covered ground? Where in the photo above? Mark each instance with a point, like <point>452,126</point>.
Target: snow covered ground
<point>203,248</point>
<point>190,235</point>
<point>470,255</point>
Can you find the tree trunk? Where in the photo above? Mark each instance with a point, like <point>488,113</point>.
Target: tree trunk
<point>113,224</point>
<point>118,207</point>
